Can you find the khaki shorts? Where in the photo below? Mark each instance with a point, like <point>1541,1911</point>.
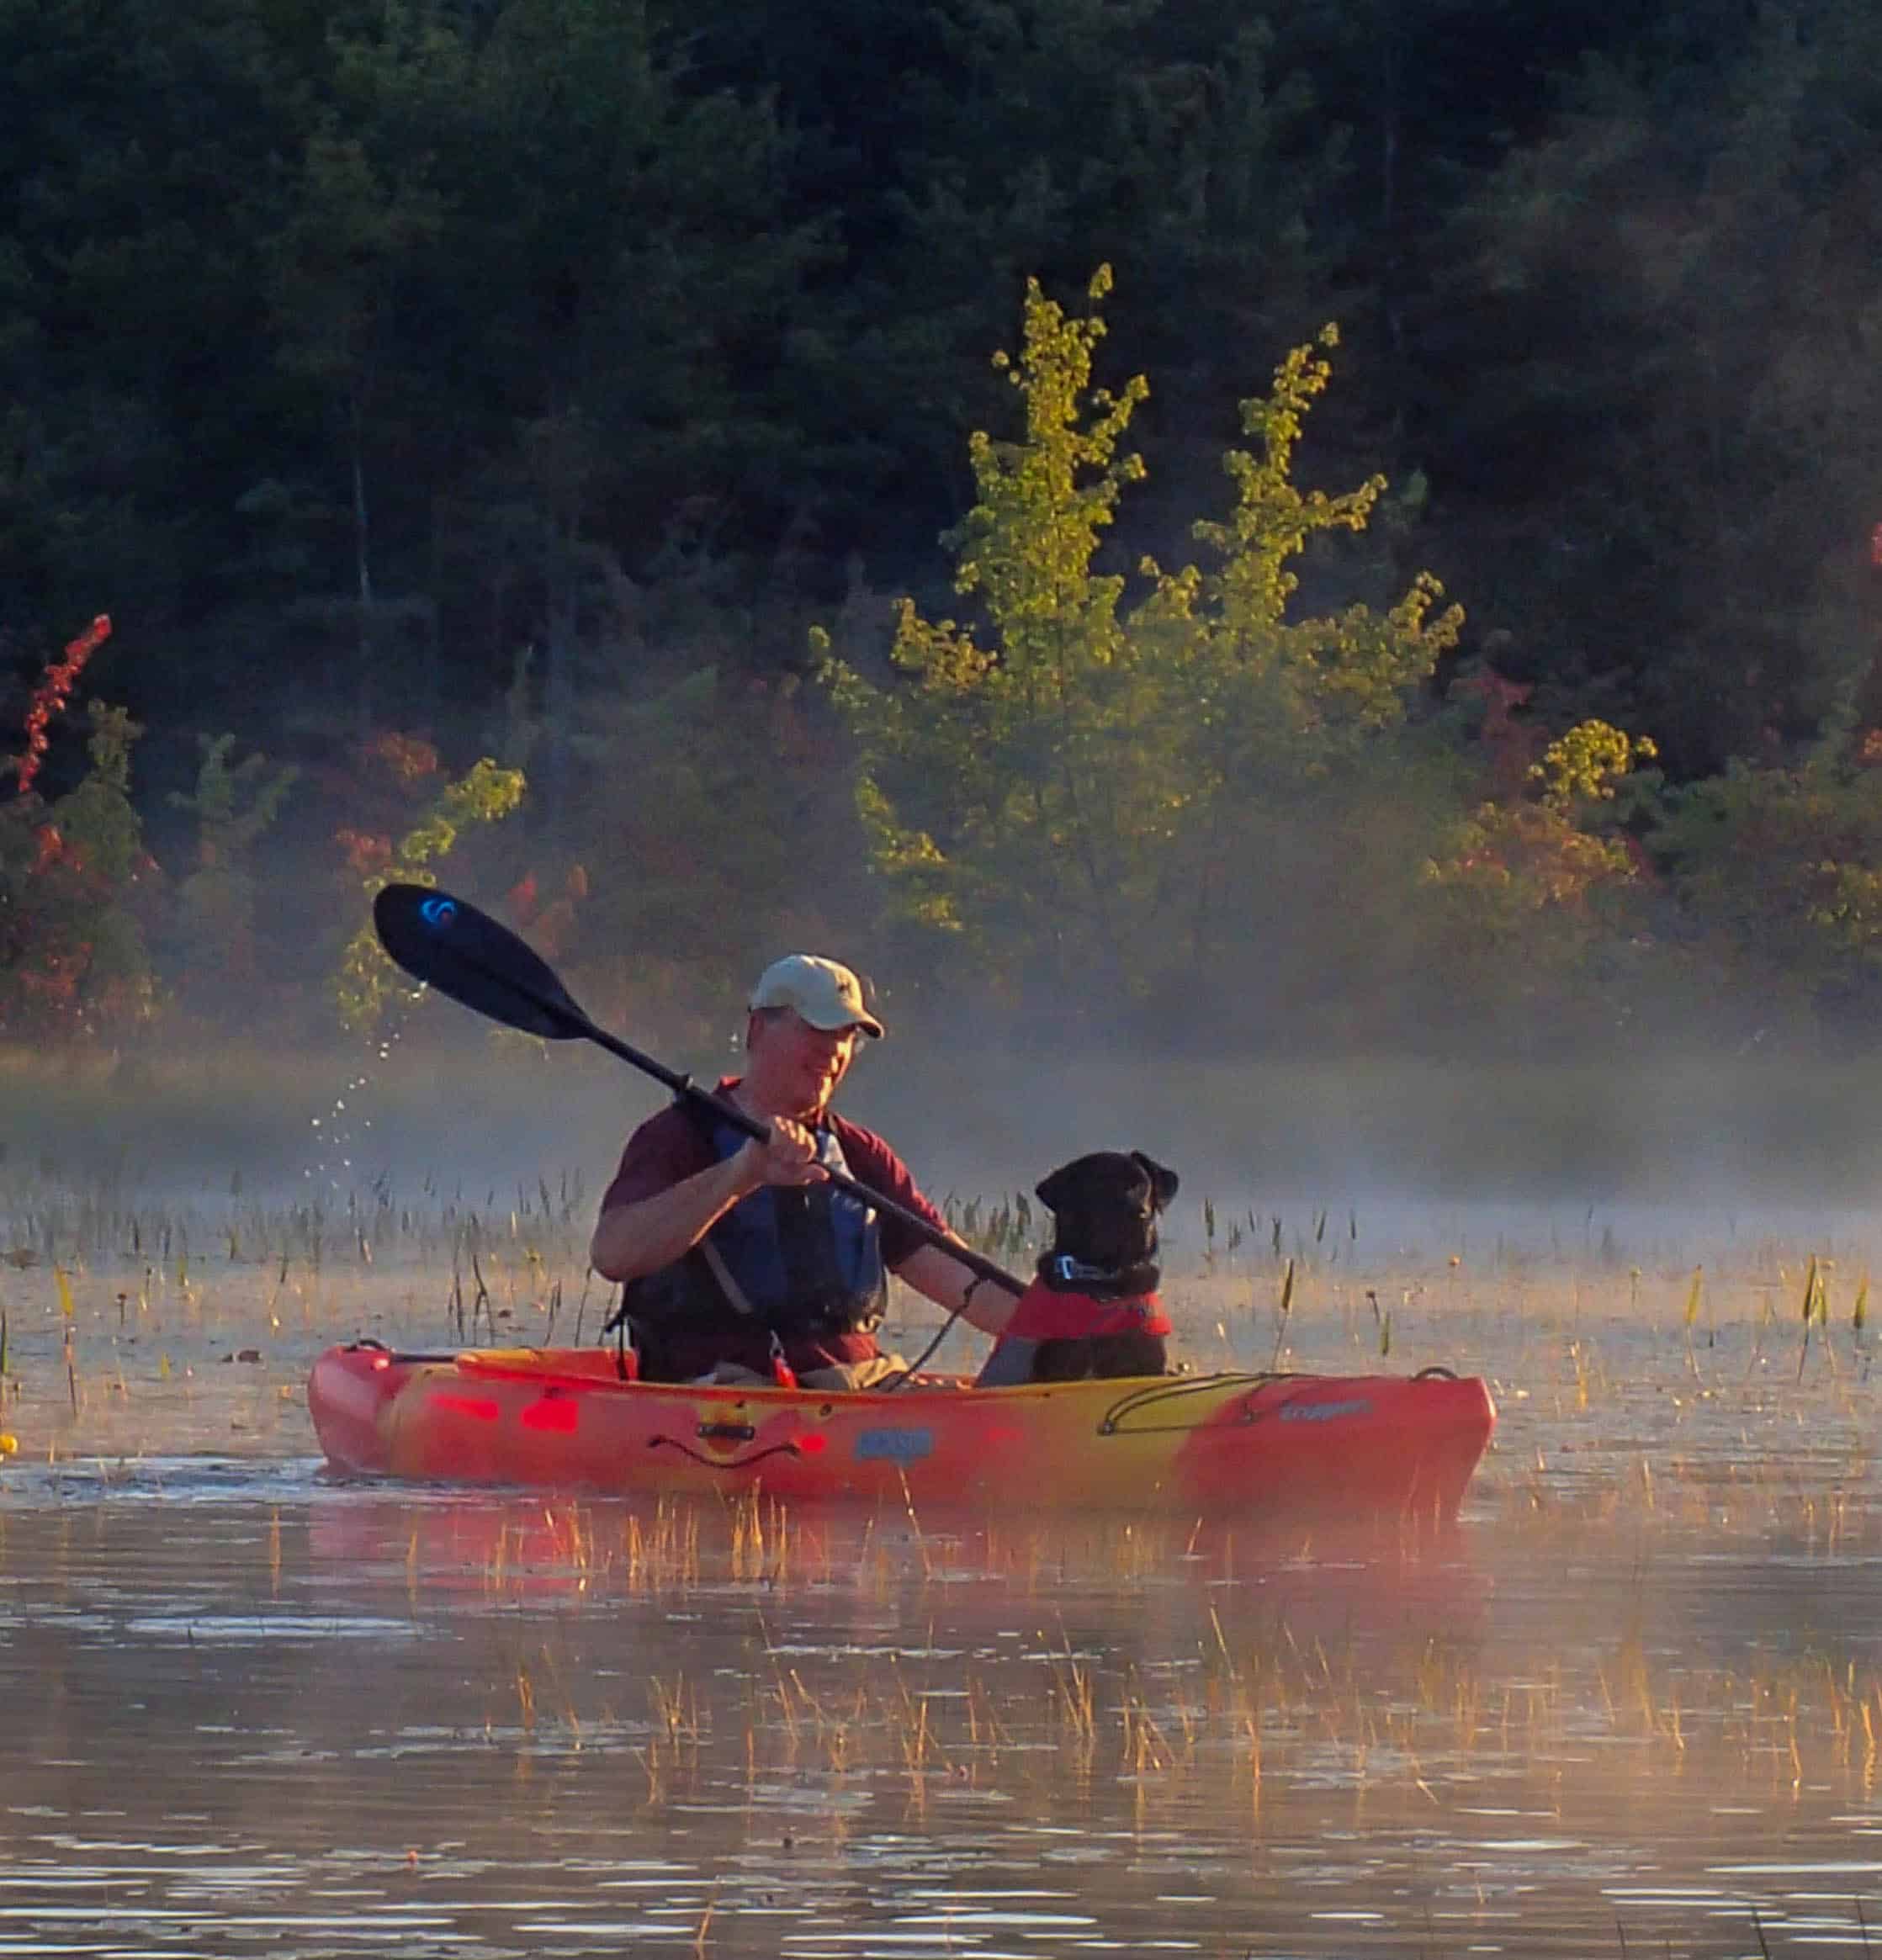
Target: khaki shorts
<point>839,1374</point>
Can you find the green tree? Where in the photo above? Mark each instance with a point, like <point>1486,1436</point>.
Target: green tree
<point>234,808</point>
<point>953,149</point>
<point>338,265</point>
<point>483,794</point>
<point>1675,299</point>
<point>140,144</point>
<point>721,834</point>
<point>615,287</point>
<point>1778,872</point>
<point>1064,793</point>
<point>1533,889</point>
<point>73,874</point>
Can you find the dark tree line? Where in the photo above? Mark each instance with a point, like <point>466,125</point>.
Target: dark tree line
<point>418,362</point>
<point>331,333</point>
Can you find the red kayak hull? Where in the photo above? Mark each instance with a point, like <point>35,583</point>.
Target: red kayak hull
<point>1357,1447</point>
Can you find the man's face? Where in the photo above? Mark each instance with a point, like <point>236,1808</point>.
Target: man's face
<point>797,1066</point>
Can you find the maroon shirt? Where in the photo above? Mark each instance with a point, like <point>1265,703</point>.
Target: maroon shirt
<point>673,1146</point>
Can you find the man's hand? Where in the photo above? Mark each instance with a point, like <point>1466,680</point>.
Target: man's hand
<point>788,1156</point>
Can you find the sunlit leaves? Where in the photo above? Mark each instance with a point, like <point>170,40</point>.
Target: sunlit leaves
<point>1058,780</point>
<point>485,794</point>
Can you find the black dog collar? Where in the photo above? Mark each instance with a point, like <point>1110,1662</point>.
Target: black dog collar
<point>1062,1273</point>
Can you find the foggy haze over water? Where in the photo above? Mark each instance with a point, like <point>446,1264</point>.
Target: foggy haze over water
<point>1538,1153</point>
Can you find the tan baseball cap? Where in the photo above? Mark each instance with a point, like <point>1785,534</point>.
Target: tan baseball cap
<point>824,992</point>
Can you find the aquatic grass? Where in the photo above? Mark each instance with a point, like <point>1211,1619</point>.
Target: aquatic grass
<point>156,1305</point>
<point>1074,1696</point>
<point>675,1711</point>
<point>1284,1310</point>
<point>1244,1708</point>
<point>1003,1227</point>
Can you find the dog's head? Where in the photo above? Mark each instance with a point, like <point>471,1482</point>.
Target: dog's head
<point>1105,1207</point>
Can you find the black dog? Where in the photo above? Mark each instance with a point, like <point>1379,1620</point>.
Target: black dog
<point>1093,1309</point>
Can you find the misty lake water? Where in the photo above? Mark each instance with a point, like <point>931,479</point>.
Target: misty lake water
<point>1631,1706</point>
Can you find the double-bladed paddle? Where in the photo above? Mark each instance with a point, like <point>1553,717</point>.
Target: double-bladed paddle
<point>448,944</point>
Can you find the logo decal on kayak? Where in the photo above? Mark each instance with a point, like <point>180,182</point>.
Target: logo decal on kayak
<point>894,1445</point>
<point>438,912</point>
<point>1324,1411</point>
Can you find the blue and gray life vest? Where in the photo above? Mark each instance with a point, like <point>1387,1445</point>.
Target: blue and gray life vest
<point>798,1260</point>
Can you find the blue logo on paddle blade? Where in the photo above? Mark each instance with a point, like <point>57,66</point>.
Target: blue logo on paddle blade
<point>438,912</point>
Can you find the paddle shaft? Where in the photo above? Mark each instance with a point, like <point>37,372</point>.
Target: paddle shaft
<point>448,944</point>
<point>684,1085</point>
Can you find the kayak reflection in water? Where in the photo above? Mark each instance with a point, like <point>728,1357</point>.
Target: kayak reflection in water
<point>742,1261</point>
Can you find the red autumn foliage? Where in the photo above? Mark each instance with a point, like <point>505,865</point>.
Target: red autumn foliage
<point>550,926</point>
<point>1512,745</point>
<point>410,758</point>
<point>376,787</point>
<point>72,916</point>
<point>521,898</point>
<point>1645,870</point>
<point>52,693</point>
<point>51,988</point>
<point>366,851</point>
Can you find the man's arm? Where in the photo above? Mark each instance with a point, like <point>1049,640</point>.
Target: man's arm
<point>949,1284</point>
<point>928,1268</point>
<point>642,1235</point>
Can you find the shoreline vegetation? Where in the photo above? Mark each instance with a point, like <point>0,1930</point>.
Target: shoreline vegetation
<point>1144,807</point>
<point>717,523</point>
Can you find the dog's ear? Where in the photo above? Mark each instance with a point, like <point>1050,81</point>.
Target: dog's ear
<point>1052,1188</point>
<point>1163,1183</point>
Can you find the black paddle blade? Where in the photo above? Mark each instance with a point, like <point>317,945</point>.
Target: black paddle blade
<point>450,945</point>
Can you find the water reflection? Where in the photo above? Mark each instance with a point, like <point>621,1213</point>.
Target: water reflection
<point>253,1712</point>
<point>1635,1703</point>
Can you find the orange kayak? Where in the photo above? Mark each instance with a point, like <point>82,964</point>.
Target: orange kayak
<point>1280,1446</point>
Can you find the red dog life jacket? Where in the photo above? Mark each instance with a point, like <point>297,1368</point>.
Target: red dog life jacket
<point>1044,1313</point>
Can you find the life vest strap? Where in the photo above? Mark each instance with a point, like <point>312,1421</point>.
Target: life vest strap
<point>735,1294</point>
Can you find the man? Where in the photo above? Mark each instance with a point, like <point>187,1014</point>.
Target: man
<point>739,1253</point>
